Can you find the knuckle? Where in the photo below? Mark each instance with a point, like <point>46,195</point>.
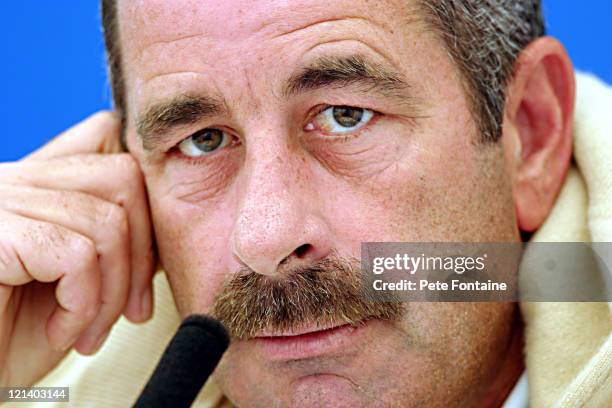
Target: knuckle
<point>106,121</point>
<point>85,249</point>
<point>117,217</point>
<point>127,165</point>
<point>132,180</point>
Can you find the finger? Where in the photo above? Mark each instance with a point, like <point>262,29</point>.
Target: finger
<point>99,133</point>
<point>103,222</point>
<point>115,178</point>
<point>35,250</point>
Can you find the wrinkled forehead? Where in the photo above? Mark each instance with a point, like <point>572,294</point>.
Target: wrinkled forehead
<point>148,21</point>
<point>148,26</point>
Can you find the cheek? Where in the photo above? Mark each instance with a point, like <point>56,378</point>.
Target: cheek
<point>439,187</point>
<point>193,249</point>
<point>463,343</point>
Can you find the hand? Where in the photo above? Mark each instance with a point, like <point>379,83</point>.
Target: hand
<point>76,249</point>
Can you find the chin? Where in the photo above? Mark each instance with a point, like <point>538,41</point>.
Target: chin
<point>326,390</point>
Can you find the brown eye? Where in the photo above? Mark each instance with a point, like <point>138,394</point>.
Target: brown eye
<point>347,116</point>
<point>208,140</point>
<point>341,119</point>
<point>204,142</point>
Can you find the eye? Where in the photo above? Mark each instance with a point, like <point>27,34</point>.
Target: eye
<point>204,142</point>
<point>341,119</point>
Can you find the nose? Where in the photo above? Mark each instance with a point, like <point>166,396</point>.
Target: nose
<point>277,226</point>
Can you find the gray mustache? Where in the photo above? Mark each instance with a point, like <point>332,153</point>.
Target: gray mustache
<point>329,292</point>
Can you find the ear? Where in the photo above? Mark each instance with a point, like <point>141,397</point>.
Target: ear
<point>537,133</point>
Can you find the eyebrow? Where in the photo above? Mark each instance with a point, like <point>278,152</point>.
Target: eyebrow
<point>181,110</point>
<point>338,71</point>
<point>329,71</point>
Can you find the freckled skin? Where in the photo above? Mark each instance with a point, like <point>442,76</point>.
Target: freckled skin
<point>400,179</point>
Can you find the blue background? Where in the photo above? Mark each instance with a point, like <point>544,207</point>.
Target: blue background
<point>53,70</point>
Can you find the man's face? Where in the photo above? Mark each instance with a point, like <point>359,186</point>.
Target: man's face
<point>273,134</point>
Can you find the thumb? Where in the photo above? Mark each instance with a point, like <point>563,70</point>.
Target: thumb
<point>99,133</point>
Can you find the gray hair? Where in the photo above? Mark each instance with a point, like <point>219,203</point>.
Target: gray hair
<point>484,38</point>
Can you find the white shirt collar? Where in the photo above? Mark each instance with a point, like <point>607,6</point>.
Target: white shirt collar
<point>519,397</point>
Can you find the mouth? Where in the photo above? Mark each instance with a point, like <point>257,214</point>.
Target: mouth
<point>308,342</point>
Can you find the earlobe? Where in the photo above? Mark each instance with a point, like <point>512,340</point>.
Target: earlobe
<point>539,113</point>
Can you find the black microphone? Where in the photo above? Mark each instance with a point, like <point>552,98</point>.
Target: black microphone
<point>189,359</point>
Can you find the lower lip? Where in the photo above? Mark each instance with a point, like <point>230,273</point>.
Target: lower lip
<point>309,345</point>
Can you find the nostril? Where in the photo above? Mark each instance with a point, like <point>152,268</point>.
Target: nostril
<point>302,250</point>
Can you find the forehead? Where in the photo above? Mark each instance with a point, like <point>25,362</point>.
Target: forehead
<point>175,33</point>
<point>149,21</point>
